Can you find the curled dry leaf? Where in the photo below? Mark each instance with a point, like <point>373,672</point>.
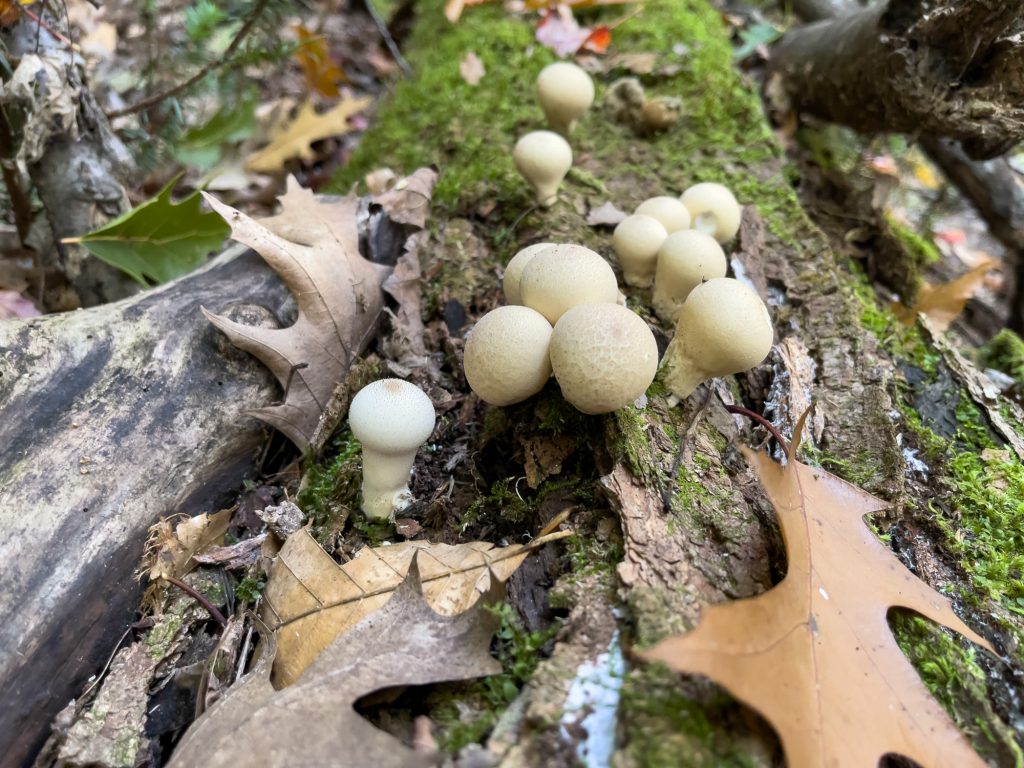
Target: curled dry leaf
<point>313,722</point>
<point>943,303</point>
<point>311,599</point>
<point>171,547</point>
<point>815,654</point>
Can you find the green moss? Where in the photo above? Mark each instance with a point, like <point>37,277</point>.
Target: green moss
<point>330,489</point>
<point>627,428</point>
<point>502,500</point>
<point>1004,352</point>
<point>250,588</point>
<point>158,640</point>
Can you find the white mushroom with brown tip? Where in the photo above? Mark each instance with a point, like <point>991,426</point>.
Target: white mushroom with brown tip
<point>565,92</point>
<point>636,241</point>
<point>391,418</point>
<point>723,328</point>
<point>560,277</point>
<point>713,209</point>
<point>514,271</point>
<point>603,356</point>
<point>506,355</point>
<point>670,211</point>
<point>543,158</point>
<point>686,259</point>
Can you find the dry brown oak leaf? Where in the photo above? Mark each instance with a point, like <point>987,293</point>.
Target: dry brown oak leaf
<point>310,599</point>
<point>314,246</point>
<point>814,654</point>
<point>313,723</point>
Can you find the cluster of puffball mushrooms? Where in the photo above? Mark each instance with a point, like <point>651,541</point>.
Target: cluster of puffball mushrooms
<point>566,317</point>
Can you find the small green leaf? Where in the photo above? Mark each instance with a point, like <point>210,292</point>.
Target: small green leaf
<point>202,146</point>
<point>754,36</point>
<point>159,240</point>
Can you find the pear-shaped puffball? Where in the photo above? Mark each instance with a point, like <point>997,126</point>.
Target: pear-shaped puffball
<point>723,327</point>
<point>604,357</point>
<point>565,92</point>
<point>670,211</point>
<point>514,271</point>
<point>636,241</point>
<point>563,276</point>
<point>686,259</point>
<point>543,158</point>
<point>714,210</point>
<point>506,355</point>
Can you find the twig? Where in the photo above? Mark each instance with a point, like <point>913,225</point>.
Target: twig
<point>210,67</point>
<point>39,21</point>
<point>740,410</point>
<point>389,41</point>
<point>200,598</point>
<point>684,446</point>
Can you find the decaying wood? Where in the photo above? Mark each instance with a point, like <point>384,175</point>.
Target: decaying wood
<point>109,419</point>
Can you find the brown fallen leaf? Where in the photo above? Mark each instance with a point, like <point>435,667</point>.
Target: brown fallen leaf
<point>814,654</point>
<point>314,246</point>
<point>471,69</point>
<point>310,599</point>
<point>170,548</point>
<point>239,555</point>
<point>943,303</point>
<point>322,73</point>
<point>295,139</point>
<point>313,722</point>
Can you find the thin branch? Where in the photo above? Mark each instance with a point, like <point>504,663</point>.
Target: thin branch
<point>389,41</point>
<point>200,598</point>
<point>210,67</point>
<point>741,411</point>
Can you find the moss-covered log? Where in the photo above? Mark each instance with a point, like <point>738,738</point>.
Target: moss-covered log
<point>882,398</point>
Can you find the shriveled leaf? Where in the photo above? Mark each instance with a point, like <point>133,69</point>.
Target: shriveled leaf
<point>322,73</point>
<point>158,240</point>
<point>313,722</point>
<point>606,215</point>
<point>471,69</point>
<point>171,548</point>
<point>314,246</point>
<point>39,90</point>
<point>407,201</point>
<point>311,599</point>
<point>943,303</point>
<point>815,654</point>
<point>559,31</point>
<point>238,555</point>
<point>295,139</point>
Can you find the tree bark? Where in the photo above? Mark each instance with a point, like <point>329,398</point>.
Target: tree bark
<point>953,71</point>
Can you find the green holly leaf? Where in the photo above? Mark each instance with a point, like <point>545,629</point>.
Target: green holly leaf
<point>158,240</point>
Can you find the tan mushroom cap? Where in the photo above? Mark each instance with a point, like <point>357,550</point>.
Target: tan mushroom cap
<point>636,241</point>
<point>514,271</point>
<point>604,357</point>
<point>563,276</point>
<point>506,355</point>
<point>723,328</point>
<point>543,158</point>
<point>670,211</point>
<point>686,259</point>
<point>713,209</point>
<point>565,92</point>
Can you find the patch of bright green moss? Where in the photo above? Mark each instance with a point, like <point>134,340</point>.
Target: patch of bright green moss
<point>331,486</point>
<point>1004,352</point>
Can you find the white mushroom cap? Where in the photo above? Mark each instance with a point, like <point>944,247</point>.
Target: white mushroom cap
<point>713,209</point>
<point>543,158</point>
<point>514,271</point>
<point>723,328</point>
<point>686,259</point>
<point>670,211</point>
<point>636,240</point>
<point>563,276</point>
<point>604,357</point>
<point>392,419</point>
<point>506,355</point>
<point>565,92</point>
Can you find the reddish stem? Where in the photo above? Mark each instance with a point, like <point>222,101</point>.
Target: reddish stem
<point>740,410</point>
<point>199,598</point>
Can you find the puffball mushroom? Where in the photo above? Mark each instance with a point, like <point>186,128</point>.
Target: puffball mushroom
<point>392,419</point>
<point>604,357</point>
<point>506,355</point>
<point>636,241</point>
<point>686,259</point>
<point>723,328</point>
<point>543,158</point>
<point>563,276</point>
<point>713,209</point>
<point>565,92</point>
<point>514,271</point>
<point>670,211</point>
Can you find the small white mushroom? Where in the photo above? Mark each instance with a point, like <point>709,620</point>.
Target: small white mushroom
<point>391,418</point>
<point>670,211</point>
<point>506,355</point>
<point>543,158</point>
<point>713,209</point>
<point>565,92</point>
<point>636,240</point>
<point>514,271</point>
<point>686,259</point>
<point>563,276</point>
<point>604,357</point>
<point>723,328</point>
